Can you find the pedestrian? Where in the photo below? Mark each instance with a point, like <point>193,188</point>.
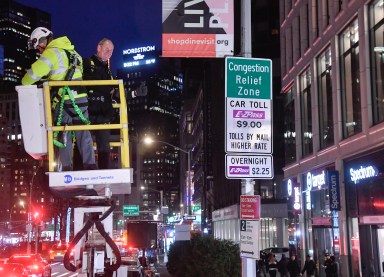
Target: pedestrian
<point>101,97</point>
<point>272,266</point>
<point>59,61</point>
<point>282,266</point>
<point>328,266</point>
<point>333,267</point>
<point>293,267</point>
<point>309,267</point>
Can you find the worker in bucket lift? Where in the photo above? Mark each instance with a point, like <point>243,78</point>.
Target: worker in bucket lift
<point>59,61</point>
<point>100,97</point>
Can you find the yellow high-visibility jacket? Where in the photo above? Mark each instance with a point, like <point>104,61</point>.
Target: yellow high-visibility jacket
<point>53,64</point>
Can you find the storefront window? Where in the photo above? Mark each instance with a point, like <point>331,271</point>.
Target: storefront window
<point>289,125</point>
<point>324,65</point>
<point>350,80</point>
<point>306,113</point>
<point>365,213</point>
<point>377,59</point>
<point>268,234</point>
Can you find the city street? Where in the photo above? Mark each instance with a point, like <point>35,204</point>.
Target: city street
<point>58,270</point>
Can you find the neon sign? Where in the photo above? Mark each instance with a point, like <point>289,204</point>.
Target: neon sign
<point>139,50</point>
<point>364,172</point>
<point>295,195</point>
<point>315,181</point>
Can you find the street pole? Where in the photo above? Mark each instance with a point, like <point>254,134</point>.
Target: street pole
<point>161,205</point>
<point>29,223</point>
<point>189,183</point>
<point>247,185</point>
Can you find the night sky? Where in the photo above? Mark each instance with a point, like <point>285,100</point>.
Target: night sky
<point>128,23</point>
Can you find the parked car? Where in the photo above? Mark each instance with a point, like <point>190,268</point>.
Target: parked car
<point>13,270</point>
<point>58,251</point>
<point>277,251</point>
<point>130,261</point>
<point>34,264</point>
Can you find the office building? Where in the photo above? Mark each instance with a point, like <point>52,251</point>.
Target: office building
<point>153,113</point>
<point>17,168</point>
<point>218,196</point>
<point>332,67</point>
<point>16,24</point>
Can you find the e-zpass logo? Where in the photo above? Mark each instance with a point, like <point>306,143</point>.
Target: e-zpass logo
<point>67,179</point>
<point>239,169</point>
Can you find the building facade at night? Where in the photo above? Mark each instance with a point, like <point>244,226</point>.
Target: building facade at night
<point>17,168</point>
<point>332,69</point>
<point>153,113</point>
<point>16,24</point>
<point>218,196</point>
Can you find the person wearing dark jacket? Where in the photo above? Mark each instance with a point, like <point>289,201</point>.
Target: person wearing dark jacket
<point>100,97</point>
<point>282,266</point>
<point>293,267</point>
<point>272,266</point>
<point>309,267</point>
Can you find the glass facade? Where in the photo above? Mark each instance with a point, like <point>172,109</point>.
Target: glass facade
<point>289,125</point>
<point>306,113</point>
<point>377,59</point>
<point>324,69</point>
<point>350,80</point>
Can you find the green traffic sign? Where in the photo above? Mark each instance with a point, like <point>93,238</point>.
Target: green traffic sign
<point>248,78</point>
<point>196,208</point>
<point>132,210</point>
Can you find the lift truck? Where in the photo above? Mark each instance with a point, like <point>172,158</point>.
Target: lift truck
<point>95,253</point>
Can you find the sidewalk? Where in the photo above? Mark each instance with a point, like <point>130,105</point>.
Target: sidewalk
<point>161,265</point>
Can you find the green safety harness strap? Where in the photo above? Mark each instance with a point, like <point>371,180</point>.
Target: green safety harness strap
<point>63,144</point>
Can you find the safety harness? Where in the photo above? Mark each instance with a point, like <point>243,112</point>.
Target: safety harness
<point>74,62</point>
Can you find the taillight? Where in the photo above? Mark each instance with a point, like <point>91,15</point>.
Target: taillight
<point>33,267</point>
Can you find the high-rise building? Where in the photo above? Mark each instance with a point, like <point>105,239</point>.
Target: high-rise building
<point>16,24</point>
<point>17,168</point>
<point>154,113</point>
<point>217,196</point>
<point>332,77</point>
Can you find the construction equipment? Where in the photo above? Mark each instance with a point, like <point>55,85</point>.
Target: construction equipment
<point>95,252</point>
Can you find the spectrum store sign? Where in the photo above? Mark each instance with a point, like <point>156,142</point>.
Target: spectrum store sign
<point>326,179</point>
<point>362,173</point>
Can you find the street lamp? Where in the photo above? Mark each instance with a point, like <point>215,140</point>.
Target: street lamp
<point>149,140</point>
<point>161,200</point>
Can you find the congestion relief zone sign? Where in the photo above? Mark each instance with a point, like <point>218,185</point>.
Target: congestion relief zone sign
<point>248,120</point>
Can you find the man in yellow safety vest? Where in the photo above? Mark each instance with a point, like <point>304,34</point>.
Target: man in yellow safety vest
<point>59,61</point>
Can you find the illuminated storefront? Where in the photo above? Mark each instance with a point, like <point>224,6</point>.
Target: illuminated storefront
<point>364,187</point>
<point>313,221</point>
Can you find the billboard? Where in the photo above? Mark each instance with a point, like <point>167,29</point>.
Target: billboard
<point>197,28</point>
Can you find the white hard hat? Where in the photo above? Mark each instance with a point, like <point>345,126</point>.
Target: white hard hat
<point>37,34</point>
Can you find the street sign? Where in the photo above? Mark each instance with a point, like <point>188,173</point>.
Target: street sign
<point>249,239</point>
<point>131,210</point>
<point>196,208</point>
<point>248,91</point>
<point>249,166</point>
<point>250,207</point>
<point>189,217</point>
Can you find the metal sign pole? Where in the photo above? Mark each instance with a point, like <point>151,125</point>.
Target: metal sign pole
<point>248,265</point>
